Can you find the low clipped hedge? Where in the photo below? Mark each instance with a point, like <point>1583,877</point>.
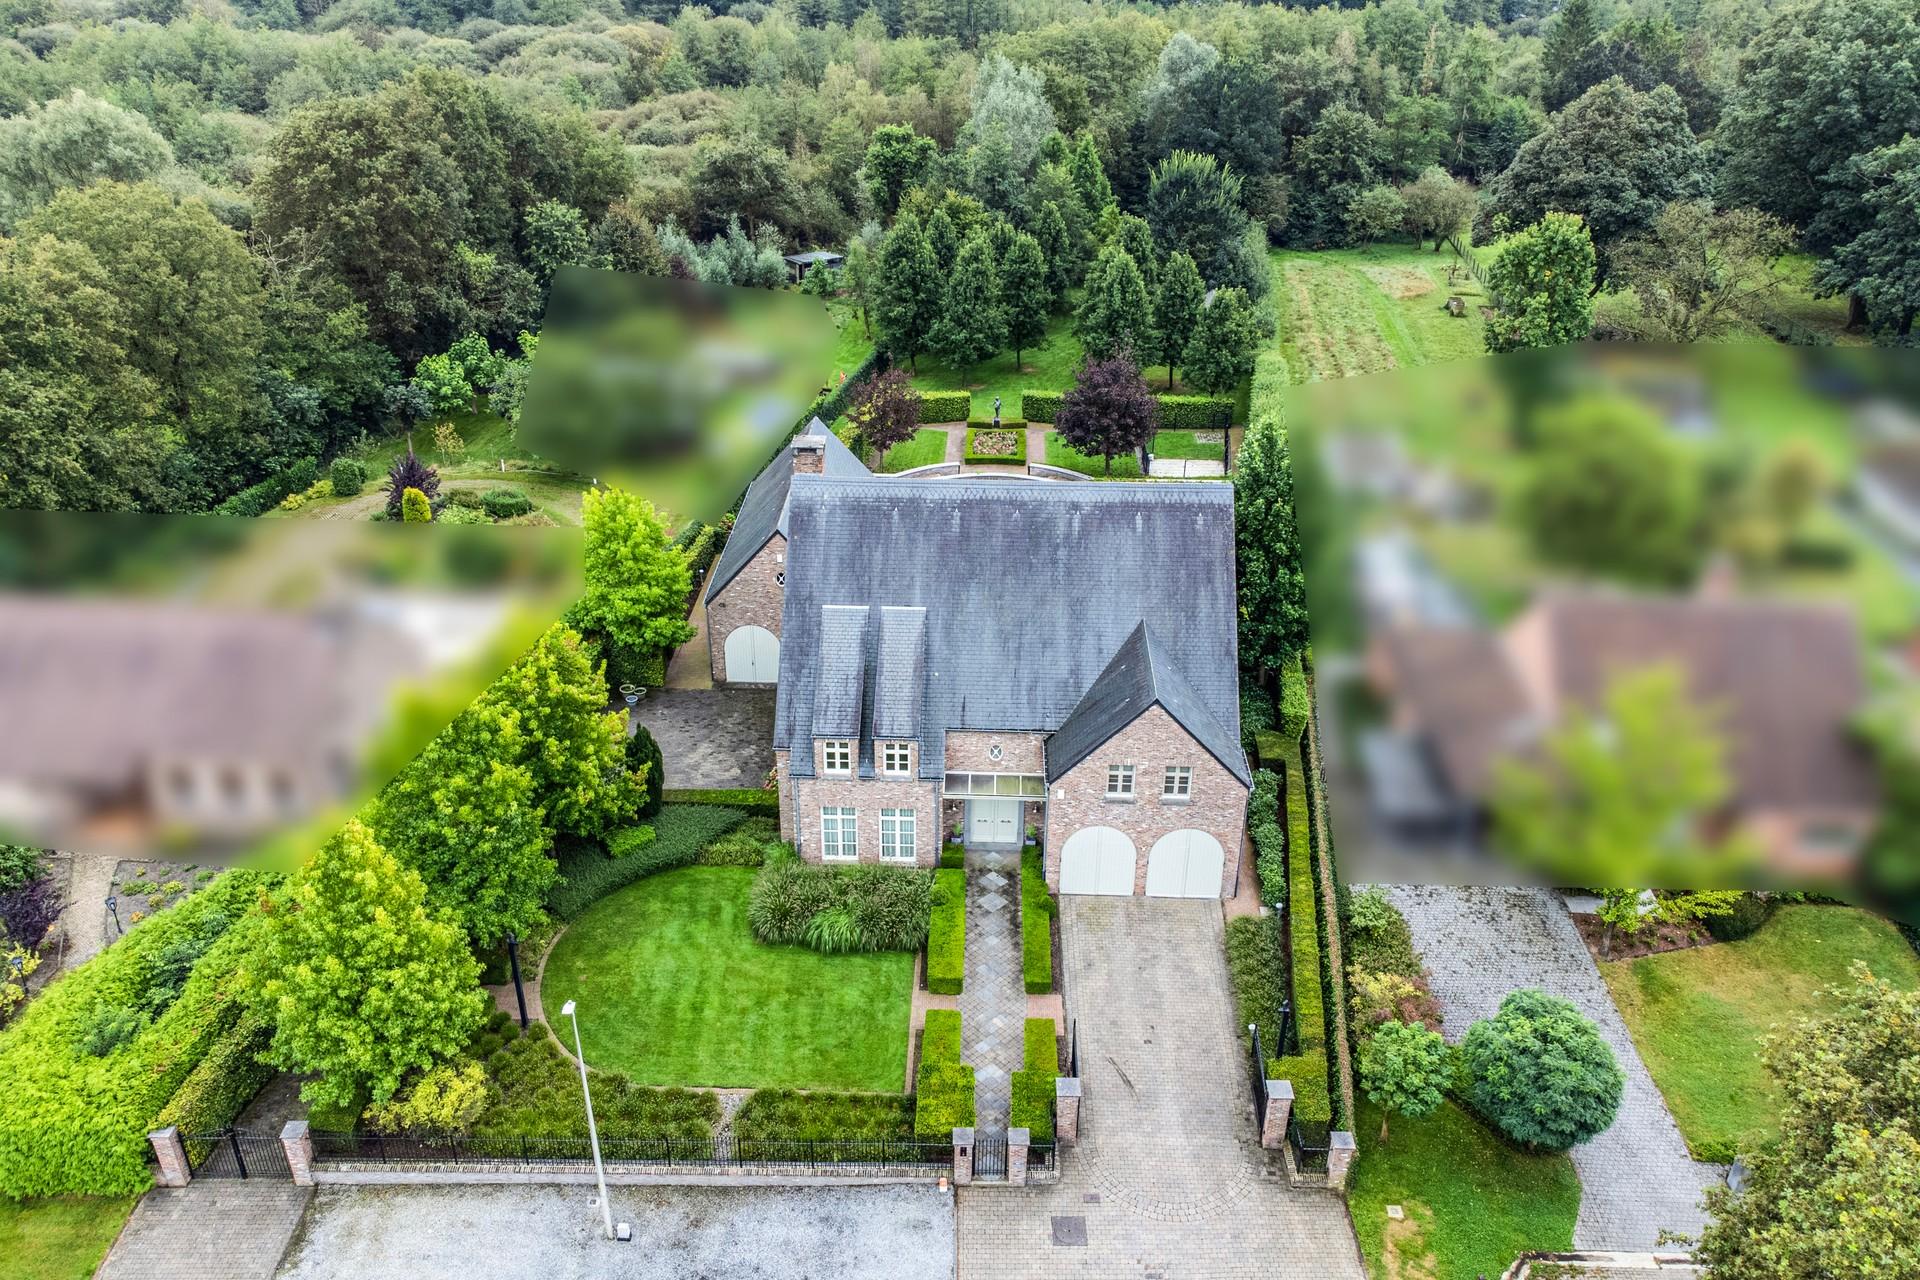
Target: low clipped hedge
<point>1018,430</point>
<point>681,831</point>
<point>943,1085</point>
<point>1033,1089</point>
<point>505,503</point>
<point>947,933</point>
<point>219,1089</point>
<point>818,1116</point>
<point>258,499</point>
<point>953,854</point>
<point>1195,413</point>
<point>752,799</point>
<point>349,477</point>
<point>1296,703</point>
<point>945,406</point>
<point>1284,862</point>
<point>1036,924</point>
<point>74,1124</point>
<point>1040,406</point>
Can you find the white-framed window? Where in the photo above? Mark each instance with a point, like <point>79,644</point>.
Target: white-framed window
<point>896,759</point>
<point>1119,782</point>
<point>896,835</point>
<point>837,840</point>
<point>1178,784</point>
<point>837,755</point>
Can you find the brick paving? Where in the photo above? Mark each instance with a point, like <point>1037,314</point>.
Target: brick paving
<point>993,998</point>
<point>1481,943</point>
<point>711,737</point>
<point>1168,1180</point>
<point>214,1229</point>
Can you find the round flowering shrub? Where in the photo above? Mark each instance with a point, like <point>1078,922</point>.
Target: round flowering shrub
<point>1540,1071</point>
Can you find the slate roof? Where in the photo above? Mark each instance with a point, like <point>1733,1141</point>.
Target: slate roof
<point>840,671</point>
<point>1141,675</point>
<point>1025,593</point>
<point>763,512</point>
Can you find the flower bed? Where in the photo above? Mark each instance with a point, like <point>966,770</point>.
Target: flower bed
<point>1004,444</point>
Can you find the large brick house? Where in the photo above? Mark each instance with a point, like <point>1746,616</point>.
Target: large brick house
<point>998,654</point>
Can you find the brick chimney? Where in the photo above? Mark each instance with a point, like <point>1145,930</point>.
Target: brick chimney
<point>809,455</point>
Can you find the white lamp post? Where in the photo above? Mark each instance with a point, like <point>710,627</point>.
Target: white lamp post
<point>593,1135</point>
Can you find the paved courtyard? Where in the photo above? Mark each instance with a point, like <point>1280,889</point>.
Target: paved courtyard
<point>711,737</point>
<point>1636,1179</point>
<point>993,999</point>
<point>679,1233</point>
<point>215,1229</point>
<point>1168,1180</point>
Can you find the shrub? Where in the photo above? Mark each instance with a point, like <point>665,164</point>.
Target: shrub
<point>1382,997</point>
<point>408,472</point>
<point>505,503</point>
<point>20,865</point>
<point>414,507</point>
<point>1036,925</point>
<point>747,845</point>
<point>445,1100</point>
<point>953,854</point>
<point>947,933</point>
<point>943,1085</point>
<point>536,1093</point>
<point>944,406</point>
<point>1195,413</point>
<point>1296,704</point>
<point>110,1027</point>
<point>1256,709</point>
<point>257,499</point>
<point>630,840</point>
<point>680,833</point>
<point>835,909</point>
<point>349,477</point>
<point>753,799</point>
<point>1405,1068</point>
<point>807,1115</point>
<point>1540,1072</point>
<point>219,1089</point>
<point>1750,912</point>
<point>642,750</point>
<point>1378,937</point>
<point>28,913</point>
<point>1040,406</point>
<point>1015,453</point>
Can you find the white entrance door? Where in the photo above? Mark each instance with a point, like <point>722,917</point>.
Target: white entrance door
<point>1097,860</point>
<point>993,822</point>
<point>1185,864</point>
<point>753,656</point>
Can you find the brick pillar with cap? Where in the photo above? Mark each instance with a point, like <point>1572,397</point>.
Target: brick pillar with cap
<point>298,1140</point>
<point>1273,1134</point>
<point>962,1157</point>
<point>1066,1109</point>
<point>1018,1140</point>
<point>1340,1154</point>
<point>171,1154</point>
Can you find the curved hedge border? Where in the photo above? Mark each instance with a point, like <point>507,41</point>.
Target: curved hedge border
<point>588,873</point>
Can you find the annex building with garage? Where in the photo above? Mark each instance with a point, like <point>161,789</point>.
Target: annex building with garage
<point>995,655</point>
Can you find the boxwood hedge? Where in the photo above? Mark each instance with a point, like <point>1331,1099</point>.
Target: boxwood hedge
<point>943,1085</point>
<point>945,406</point>
<point>1036,925</point>
<point>1033,1090</point>
<point>947,933</point>
<point>681,831</point>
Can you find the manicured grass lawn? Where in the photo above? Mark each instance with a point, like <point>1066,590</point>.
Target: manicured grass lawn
<point>61,1238</point>
<point>1472,1202</point>
<point>1698,1016</point>
<point>1062,454</point>
<point>1047,367</point>
<point>1351,311</point>
<point>673,989</point>
<point>928,446</point>
<point>1184,444</point>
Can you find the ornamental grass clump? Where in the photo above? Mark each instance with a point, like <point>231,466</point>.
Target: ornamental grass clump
<point>840,909</point>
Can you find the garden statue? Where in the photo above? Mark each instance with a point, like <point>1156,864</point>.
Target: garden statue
<point>996,412</point>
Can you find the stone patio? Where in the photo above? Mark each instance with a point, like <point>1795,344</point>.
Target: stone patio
<point>711,737</point>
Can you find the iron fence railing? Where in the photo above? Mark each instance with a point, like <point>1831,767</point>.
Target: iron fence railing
<point>773,1155</point>
<point>1310,1143</point>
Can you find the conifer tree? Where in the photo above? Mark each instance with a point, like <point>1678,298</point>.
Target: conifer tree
<point>1273,593</point>
<point>1089,177</point>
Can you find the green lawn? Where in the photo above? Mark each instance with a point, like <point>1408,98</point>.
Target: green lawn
<point>62,1238</point>
<point>1472,1202</point>
<point>1352,311</point>
<point>673,989</point>
<point>928,446</point>
<point>1047,367</point>
<point>1062,454</point>
<point>1184,444</point>
<point>1698,1016</point>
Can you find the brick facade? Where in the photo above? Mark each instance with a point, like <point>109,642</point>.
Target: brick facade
<point>752,598</point>
<point>803,798</point>
<point>971,751</point>
<point>1217,805</point>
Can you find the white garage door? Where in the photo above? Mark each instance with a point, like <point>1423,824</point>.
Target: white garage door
<point>1097,860</point>
<point>753,656</point>
<point>1185,864</point>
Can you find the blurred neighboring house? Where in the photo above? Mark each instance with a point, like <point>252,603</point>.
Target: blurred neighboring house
<point>1784,678</point>
<point>132,722</point>
<point>1888,486</point>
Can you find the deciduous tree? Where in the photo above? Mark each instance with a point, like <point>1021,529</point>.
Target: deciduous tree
<point>1405,1069</point>
<point>1881,265</point>
<point>73,142</point>
<point>1109,409</point>
<point>885,411</point>
<point>1266,539</point>
<point>636,582</point>
<point>897,158</point>
<point>1438,207</point>
<point>971,325</point>
<point>1542,279</point>
<point>1540,1071</point>
<point>1219,357</point>
<point>1114,314</point>
<point>1698,274</point>
<point>1177,301</point>
<point>908,291</point>
<point>1025,297</point>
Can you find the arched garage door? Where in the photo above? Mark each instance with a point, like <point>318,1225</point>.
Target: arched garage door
<point>1097,860</point>
<point>753,656</point>
<point>1185,864</point>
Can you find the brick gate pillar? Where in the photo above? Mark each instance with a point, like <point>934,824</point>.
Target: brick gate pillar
<point>1018,1140</point>
<point>1340,1154</point>
<point>171,1153</point>
<point>1273,1134</point>
<point>962,1157</point>
<point>298,1141</point>
<point>1066,1109</point>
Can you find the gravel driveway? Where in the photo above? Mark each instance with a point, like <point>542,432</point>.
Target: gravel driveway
<point>679,1233</point>
<point>1636,1179</point>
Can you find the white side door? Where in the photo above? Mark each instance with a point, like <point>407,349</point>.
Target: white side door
<point>1097,860</point>
<point>753,656</point>
<point>1185,864</point>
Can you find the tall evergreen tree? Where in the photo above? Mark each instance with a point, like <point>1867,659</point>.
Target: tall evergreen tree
<point>1572,30</point>
<point>971,325</point>
<point>1090,182</point>
<point>1220,355</point>
<point>908,291</point>
<point>1273,590</point>
<point>1177,300</point>
<point>1024,294</point>
<point>1114,315</point>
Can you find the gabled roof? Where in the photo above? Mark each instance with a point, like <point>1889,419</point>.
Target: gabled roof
<point>1024,591</point>
<point>841,680</point>
<point>763,512</point>
<point>900,672</point>
<point>1141,675</point>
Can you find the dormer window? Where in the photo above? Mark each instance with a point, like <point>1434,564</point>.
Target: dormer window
<point>837,756</point>
<point>896,759</point>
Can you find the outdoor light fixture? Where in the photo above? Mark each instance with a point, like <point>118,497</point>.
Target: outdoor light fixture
<point>593,1134</point>
<point>113,906</point>
<point>513,961</point>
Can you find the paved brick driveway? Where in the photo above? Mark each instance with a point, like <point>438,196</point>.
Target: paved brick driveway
<point>1168,1180</point>
<point>215,1229</point>
<point>1636,1178</point>
<point>711,737</point>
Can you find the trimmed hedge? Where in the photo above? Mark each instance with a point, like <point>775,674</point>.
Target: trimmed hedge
<point>681,832</point>
<point>943,406</point>
<point>219,1089</point>
<point>1195,413</point>
<point>1040,406</point>
<point>943,1085</point>
<point>1296,704</point>
<point>349,477</point>
<point>1285,863</point>
<point>947,933</point>
<point>1033,1091</point>
<point>953,854</point>
<point>1017,430</point>
<point>505,503</point>
<point>71,1124</point>
<point>258,499</point>
<point>1036,919</point>
<point>817,1116</point>
<point>752,799</point>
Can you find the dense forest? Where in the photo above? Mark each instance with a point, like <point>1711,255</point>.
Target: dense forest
<point>230,233</point>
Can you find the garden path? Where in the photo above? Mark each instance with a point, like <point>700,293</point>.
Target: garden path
<point>993,998</point>
<point>1481,943</point>
<point>212,1229</point>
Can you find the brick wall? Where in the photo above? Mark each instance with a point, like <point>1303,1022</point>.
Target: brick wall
<point>1218,805</point>
<point>752,598</point>
<point>968,752</point>
<point>868,796</point>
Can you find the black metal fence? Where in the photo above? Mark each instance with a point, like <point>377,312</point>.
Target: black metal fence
<point>1310,1143</point>
<point>235,1153</point>
<point>1258,1066</point>
<point>1043,1157</point>
<point>844,1156</point>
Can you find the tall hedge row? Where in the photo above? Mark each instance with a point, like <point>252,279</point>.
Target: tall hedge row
<point>257,499</point>
<point>1177,413</point>
<point>945,406</point>
<point>74,1124</point>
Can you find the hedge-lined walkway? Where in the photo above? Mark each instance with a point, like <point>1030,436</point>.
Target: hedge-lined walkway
<point>993,1003</point>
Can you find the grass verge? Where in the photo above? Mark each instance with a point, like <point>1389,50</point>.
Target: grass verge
<point>59,1237</point>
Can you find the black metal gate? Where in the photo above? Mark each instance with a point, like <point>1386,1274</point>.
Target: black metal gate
<point>990,1159</point>
<point>235,1153</point>
<point>1258,1063</point>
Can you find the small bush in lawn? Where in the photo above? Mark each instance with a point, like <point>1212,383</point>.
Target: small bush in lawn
<point>1749,913</point>
<point>1540,1072</point>
<point>349,477</point>
<point>504,503</point>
